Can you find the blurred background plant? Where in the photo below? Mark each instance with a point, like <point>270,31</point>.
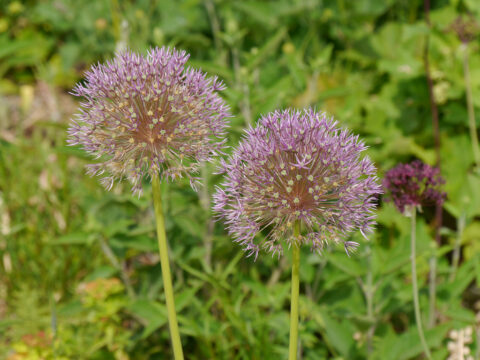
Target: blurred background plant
<point>79,274</point>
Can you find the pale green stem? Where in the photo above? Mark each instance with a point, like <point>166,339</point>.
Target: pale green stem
<point>216,31</point>
<point>292,351</point>
<point>477,352</point>
<point>205,202</point>
<point>416,302</point>
<point>116,19</point>
<point>432,289</point>
<point>369,292</point>
<point>458,243</point>
<point>167,278</point>
<point>471,113</point>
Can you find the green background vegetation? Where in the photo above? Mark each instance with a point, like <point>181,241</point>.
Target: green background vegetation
<point>79,272</point>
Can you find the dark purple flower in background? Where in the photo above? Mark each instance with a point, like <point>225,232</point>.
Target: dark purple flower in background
<point>414,184</point>
<point>148,116</point>
<point>297,166</point>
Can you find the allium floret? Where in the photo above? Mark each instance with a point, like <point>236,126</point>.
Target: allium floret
<point>297,166</point>
<point>148,115</point>
<point>414,184</point>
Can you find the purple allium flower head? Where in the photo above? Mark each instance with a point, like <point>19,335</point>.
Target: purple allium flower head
<point>148,116</point>
<point>414,184</point>
<point>297,166</point>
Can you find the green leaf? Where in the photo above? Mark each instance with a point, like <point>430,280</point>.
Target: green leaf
<point>346,264</point>
<point>104,272</point>
<point>153,314</point>
<point>141,243</point>
<point>77,238</point>
<point>407,345</point>
<point>339,333</point>
<point>267,49</point>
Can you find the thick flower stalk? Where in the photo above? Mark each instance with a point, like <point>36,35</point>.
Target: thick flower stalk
<point>148,116</point>
<point>297,167</point>
<point>300,179</point>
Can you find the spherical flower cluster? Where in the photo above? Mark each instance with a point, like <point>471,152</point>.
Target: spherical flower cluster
<point>297,167</point>
<point>414,184</point>
<point>148,116</point>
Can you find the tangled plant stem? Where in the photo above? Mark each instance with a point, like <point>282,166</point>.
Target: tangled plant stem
<point>167,278</point>
<point>471,111</point>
